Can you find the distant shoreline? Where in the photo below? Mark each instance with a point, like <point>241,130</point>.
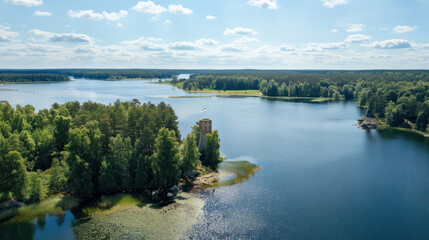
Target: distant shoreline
<point>243,93</point>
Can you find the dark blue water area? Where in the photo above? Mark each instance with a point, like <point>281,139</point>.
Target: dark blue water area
<point>56,226</point>
<point>321,177</point>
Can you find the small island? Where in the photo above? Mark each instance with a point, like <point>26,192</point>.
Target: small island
<point>123,160</point>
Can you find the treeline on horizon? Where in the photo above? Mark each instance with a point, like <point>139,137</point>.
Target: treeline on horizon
<point>99,74</point>
<point>277,75</point>
<point>32,77</point>
<point>91,149</point>
<point>400,98</point>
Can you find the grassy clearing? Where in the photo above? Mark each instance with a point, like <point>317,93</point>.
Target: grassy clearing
<point>140,222</point>
<point>235,172</point>
<point>228,92</point>
<point>54,205</point>
<point>384,126</point>
<point>113,201</point>
<point>249,92</point>
<point>320,100</point>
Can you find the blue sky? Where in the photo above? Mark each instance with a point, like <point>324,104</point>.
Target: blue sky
<point>264,34</point>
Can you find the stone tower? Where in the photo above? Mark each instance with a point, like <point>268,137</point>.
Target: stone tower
<point>205,128</point>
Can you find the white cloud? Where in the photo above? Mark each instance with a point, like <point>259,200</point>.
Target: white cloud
<point>238,45</point>
<point>83,50</point>
<point>63,37</point>
<point>142,40</point>
<point>42,14</point>
<point>43,48</point>
<point>115,16</point>
<point>183,46</point>
<point>4,27</point>
<point>90,14</point>
<point>354,28</point>
<point>40,32</point>
<point>233,48</point>
<point>333,3</point>
<point>149,7</point>
<point>239,31</point>
<point>404,29</point>
<point>269,4</point>
<point>150,46</point>
<point>318,47</point>
<point>245,39</point>
<point>179,9</point>
<point>85,14</point>
<point>119,25</point>
<point>426,45</point>
<point>334,30</point>
<point>208,17</point>
<point>28,3</point>
<point>287,48</point>
<point>6,36</point>
<point>357,38</point>
<point>147,44</point>
<point>206,41</point>
<point>391,44</point>
<point>167,21</point>
<point>70,38</point>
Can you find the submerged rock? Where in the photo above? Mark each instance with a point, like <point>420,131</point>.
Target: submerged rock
<point>174,189</point>
<point>12,204</point>
<point>192,174</point>
<point>367,122</point>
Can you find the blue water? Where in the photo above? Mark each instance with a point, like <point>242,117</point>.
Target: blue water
<point>321,176</point>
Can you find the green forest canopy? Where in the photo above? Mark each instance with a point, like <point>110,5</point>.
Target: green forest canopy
<point>401,98</point>
<point>94,149</point>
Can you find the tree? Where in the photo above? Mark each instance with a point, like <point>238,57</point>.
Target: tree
<point>13,174</point>
<point>118,158</point>
<point>61,133</point>
<point>272,88</point>
<point>139,166</point>
<point>107,180</point>
<point>165,160</point>
<point>58,176</point>
<point>143,171</point>
<point>212,154</point>
<point>44,141</point>
<point>394,114</point>
<point>37,189</point>
<point>80,178</point>
<point>190,154</point>
<point>336,96</point>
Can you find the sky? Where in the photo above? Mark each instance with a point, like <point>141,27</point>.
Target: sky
<point>215,34</point>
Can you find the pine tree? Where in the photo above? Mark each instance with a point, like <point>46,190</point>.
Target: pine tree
<point>190,154</point>
<point>165,160</point>
<point>212,154</point>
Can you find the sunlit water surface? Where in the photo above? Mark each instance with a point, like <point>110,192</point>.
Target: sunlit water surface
<point>320,178</point>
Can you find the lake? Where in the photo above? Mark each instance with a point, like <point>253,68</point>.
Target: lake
<point>321,177</point>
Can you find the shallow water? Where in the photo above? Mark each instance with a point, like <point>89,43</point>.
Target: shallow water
<point>320,178</point>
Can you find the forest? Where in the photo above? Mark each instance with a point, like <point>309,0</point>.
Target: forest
<point>99,74</point>
<point>31,77</point>
<point>92,149</point>
<point>400,98</point>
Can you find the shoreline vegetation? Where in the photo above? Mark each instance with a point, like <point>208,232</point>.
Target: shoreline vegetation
<point>226,174</point>
<point>90,149</point>
<point>149,219</point>
<point>398,97</point>
<point>242,93</point>
<point>107,161</point>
